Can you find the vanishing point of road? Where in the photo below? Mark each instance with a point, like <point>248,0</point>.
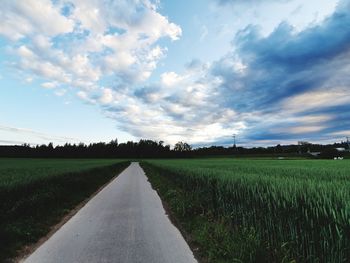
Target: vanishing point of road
<point>125,222</point>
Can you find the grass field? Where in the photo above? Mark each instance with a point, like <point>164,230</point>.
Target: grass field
<point>36,193</point>
<point>239,210</point>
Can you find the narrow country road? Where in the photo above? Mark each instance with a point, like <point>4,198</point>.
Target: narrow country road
<point>125,222</point>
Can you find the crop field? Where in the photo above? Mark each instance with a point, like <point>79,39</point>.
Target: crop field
<point>15,171</point>
<point>245,210</point>
<point>36,193</point>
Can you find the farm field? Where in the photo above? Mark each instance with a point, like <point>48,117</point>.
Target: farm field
<point>251,210</point>
<point>17,171</point>
<point>36,193</point>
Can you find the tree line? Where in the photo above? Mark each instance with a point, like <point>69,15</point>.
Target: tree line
<point>157,149</point>
<point>113,149</point>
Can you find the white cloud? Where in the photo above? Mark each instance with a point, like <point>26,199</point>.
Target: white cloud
<point>317,100</point>
<point>188,112</point>
<point>83,95</point>
<point>301,129</point>
<point>23,18</point>
<point>341,133</point>
<point>107,96</point>
<point>310,119</point>
<point>89,15</point>
<point>29,80</point>
<point>25,52</point>
<point>170,79</point>
<point>49,85</point>
<point>117,39</point>
<point>60,92</point>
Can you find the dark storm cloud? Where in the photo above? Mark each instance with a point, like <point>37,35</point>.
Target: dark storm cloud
<point>286,64</point>
<point>284,130</point>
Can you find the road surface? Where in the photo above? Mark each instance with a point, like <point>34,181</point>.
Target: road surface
<point>125,222</point>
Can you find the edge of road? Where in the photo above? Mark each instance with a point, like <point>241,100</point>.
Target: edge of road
<point>26,251</point>
<point>170,214</point>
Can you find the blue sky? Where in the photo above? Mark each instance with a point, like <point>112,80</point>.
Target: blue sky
<point>272,71</point>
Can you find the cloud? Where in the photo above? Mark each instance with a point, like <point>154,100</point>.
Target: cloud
<point>290,75</point>
<point>288,85</point>
<point>60,92</point>
<point>315,100</point>
<point>107,96</point>
<point>280,88</point>
<point>118,40</point>
<point>341,133</point>
<point>29,80</point>
<point>226,2</point>
<point>301,129</point>
<point>91,40</point>
<point>84,96</point>
<point>170,79</point>
<point>30,135</point>
<point>11,142</point>
<point>49,85</point>
<point>172,113</point>
<point>283,87</point>
<point>20,19</point>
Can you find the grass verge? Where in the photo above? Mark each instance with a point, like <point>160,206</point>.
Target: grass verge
<point>28,211</point>
<point>212,237</point>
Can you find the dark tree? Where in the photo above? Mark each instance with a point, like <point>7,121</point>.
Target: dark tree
<point>182,147</point>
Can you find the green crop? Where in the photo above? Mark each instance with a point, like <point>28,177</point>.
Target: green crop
<point>302,203</point>
<point>14,172</point>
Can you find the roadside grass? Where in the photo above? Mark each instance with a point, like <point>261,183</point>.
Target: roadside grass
<point>209,238</point>
<point>36,193</point>
<point>259,210</point>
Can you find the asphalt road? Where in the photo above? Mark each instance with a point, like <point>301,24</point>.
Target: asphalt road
<point>125,222</point>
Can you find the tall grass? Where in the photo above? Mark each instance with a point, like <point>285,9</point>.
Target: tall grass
<point>301,204</point>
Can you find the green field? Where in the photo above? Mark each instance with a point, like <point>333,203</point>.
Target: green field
<point>36,193</point>
<point>15,172</point>
<point>246,210</point>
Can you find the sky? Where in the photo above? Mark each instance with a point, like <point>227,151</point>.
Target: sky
<point>269,71</point>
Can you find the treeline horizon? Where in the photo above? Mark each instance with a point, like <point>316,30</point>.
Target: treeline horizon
<point>157,149</point>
